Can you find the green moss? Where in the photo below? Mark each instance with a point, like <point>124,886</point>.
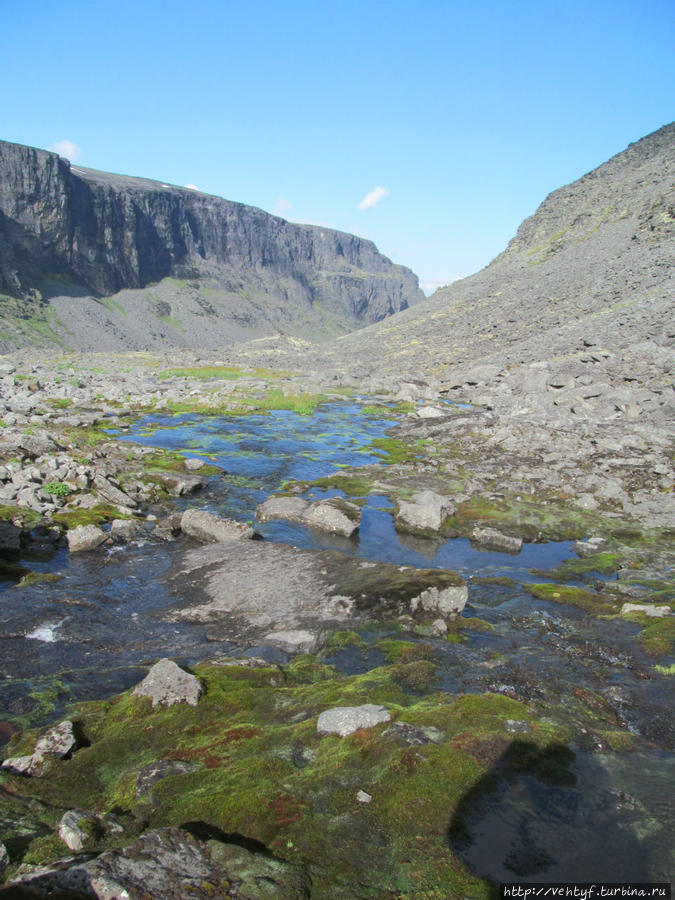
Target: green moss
<point>339,640</point>
<point>26,517</point>
<point>204,373</point>
<point>394,450</point>
<point>658,635</point>
<point>61,402</point>
<point>57,488</point>
<point>397,651</point>
<point>98,515</point>
<point>31,578</point>
<point>665,670</point>
<point>590,601</point>
<point>604,563</point>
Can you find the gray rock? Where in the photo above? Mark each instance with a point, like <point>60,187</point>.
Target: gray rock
<point>281,508</point>
<point>447,602</point>
<point>589,547</point>
<point>150,774</point>
<point>192,464</point>
<point>112,492</point>
<point>364,797</point>
<point>124,529</point>
<point>430,412</point>
<point>654,612</point>
<point>167,684</point>
<point>491,539</point>
<point>412,735</point>
<point>345,720</point>
<point>334,515</point>
<point>517,726</point>
<point>59,742</point>
<point>4,858</point>
<point>293,641</point>
<point>77,828</point>
<point>85,537</point>
<point>212,529</point>
<point>424,510</point>
<point>179,484</point>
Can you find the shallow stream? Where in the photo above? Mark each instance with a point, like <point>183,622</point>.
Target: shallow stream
<point>92,633</point>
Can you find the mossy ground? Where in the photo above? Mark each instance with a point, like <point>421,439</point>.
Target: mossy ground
<point>264,772</point>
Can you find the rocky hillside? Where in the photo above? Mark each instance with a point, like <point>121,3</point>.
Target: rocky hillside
<point>576,312</point>
<point>99,261</point>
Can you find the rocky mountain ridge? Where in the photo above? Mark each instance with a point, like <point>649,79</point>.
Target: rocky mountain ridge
<point>103,261</point>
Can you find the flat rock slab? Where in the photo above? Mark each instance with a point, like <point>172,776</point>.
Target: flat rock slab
<point>491,539</point>
<point>85,537</point>
<point>167,684</point>
<point>425,510</point>
<point>212,529</point>
<point>252,588</point>
<point>654,612</point>
<point>345,720</point>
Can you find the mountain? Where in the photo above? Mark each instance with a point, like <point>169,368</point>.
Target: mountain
<point>93,260</point>
<point>593,267</point>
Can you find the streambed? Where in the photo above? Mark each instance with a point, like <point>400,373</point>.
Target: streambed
<point>92,632</point>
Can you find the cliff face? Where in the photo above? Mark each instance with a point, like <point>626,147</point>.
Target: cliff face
<point>72,232</point>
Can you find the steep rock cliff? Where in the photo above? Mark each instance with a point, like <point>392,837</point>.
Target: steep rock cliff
<point>68,232</point>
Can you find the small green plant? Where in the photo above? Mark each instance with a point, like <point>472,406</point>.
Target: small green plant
<point>57,488</point>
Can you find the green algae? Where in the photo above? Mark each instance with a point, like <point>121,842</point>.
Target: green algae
<point>657,636</point>
<point>602,563</point>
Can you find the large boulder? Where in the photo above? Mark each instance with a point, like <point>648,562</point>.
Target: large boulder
<point>426,510</point>
<point>167,684</point>
<point>213,529</point>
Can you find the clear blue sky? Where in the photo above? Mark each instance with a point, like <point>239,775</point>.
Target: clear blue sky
<point>466,114</point>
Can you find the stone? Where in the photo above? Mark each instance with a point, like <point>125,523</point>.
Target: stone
<point>335,515</point>
<point>412,735</point>
<point>424,510</point>
<point>430,412</point>
<point>345,720</point>
<point>299,641</point>
<point>491,539</point>
<point>179,484</point>
<point>213,529</point>
<point>124,529</point>
<point>364,797</point>
<point>85,537</point>
<point>167,684</point>
<point>192,464</point>
<point>589,547</point>
<point>281,508</point>
<point>59,741</point>
<point>166,863</point>
<point>112,493</point>
<point>654,612</point>
<point>148,776</point>
<point>517,726</point>
<point>77,828</point>
<point>447,602</point>
<point>4,858</point>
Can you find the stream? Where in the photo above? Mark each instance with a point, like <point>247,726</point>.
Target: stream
<point>92,633</point>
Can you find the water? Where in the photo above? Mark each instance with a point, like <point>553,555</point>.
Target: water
<point>92,632</point>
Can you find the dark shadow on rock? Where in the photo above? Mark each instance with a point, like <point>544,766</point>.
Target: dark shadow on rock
<point>204,831</point>
<point>545,814</point>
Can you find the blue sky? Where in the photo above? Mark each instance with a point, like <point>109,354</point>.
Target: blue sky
<point>456,119</point>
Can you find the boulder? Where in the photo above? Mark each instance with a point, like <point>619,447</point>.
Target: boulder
<point>77,828</point>
<point>447,602</point>
<point>430,412</point>
<point>59,741</point>
<point>345,720</point>
<point>491,539</point>
<point>424,510</point>
<point>167,684</point>
<point>281,508</point>
<point>112,492</point>
<point>589,547</point>
<point>85,537</point>
<point>212,529</point>
<point>334,515</point>
<point>124,529</point>
<point>179,484</point>
<point>4,858</point>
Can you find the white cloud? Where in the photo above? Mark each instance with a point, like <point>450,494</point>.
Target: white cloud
<point>373,197</point>
<point>192,187</point>
<point>282,207</point>
<point>67,149</point>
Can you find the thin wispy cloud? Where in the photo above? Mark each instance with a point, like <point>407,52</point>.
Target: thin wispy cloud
<point>282,207</point>
<point>373,197</point>
<point>67,149</point>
